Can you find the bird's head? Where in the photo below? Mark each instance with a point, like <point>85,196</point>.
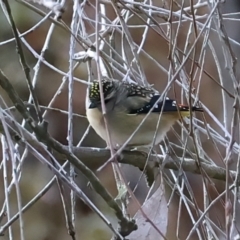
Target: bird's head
<point>110,90</point>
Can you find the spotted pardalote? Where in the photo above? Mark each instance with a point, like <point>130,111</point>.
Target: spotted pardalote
<point>130,106</point>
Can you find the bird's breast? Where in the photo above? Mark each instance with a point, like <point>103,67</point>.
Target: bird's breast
<point>95,118</point>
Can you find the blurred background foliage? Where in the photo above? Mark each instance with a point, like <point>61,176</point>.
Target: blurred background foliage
<point>45,220</point>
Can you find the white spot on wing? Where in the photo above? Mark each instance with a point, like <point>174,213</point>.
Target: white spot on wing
<point>156,105</point>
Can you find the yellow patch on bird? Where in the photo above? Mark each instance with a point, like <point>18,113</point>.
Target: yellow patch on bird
<point>185,113</point>
<point>94,90</point>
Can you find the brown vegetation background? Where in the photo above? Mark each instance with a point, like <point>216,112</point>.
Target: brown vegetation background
<point>45,220</point>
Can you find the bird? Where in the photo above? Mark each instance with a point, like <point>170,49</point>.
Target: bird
<point>128,106</point>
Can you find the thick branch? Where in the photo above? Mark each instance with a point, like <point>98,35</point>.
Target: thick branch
<point>96,157</point>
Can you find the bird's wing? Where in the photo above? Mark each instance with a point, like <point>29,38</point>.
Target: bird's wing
<point>144,105</point>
